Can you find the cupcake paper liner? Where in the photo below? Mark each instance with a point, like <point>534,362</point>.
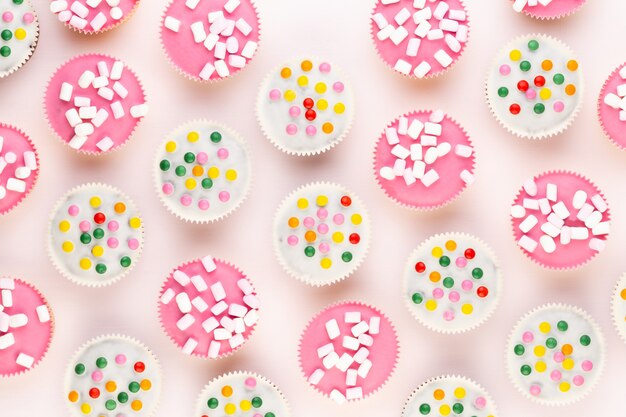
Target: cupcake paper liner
<point>566,10</point>
<point>32,49</point>
<point>620,143</point>
<point>618,307</point>
<point>124,18</point>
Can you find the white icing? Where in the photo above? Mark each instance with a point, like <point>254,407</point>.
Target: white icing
<point>619,307</point>
<point>20,49</point>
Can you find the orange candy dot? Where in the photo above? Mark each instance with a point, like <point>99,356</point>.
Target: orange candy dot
<point>572,65</point>
<point>310,236</point>
<point>570,90</point>
<point>146,385</point>
<point>285,72</point>
<point>197,171</point>
<point>546,65</point>
<point>110,386</point>
<point>293,222</point>
<point>227,391</point>
<point>328,128</point>
<point>136,405</point>
<point>567,349</point>
<point>623,294</point>
<point>306,65</point>
<point>73,396</point>
<point>439,394</point>
<point>435,276</point>
<point>120,208</point>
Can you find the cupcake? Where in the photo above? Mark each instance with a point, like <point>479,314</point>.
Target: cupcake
<point>535,87</point>
<point>241,394</point>
<point>463,286</point>
<point>321,233</point>
<point>95,235</point>
<point>619,307</point>
<point>93,16</point>
<point>210,40</point>
<point>547,9</point>
<point>305,107</point>
<point>208,308</point>
<point>449,394</point>
<point>419,38</point>
<point>19,167</point>
<point>203,171</point>
<point>560,219</point>
<point>555,354</point>
<point>94,102</point>
<point>113,376</point>
<point>19,32</point>
<point>612,106</point>
<point>26,326</point>
<point>427,173</point>
<point>348,351</point>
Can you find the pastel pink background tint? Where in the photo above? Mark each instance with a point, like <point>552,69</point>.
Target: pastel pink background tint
<point>338,30</point>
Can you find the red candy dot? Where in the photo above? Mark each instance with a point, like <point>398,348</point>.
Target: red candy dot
<point>355,238</point>
<point>420,267</point>
<point>346,201</point>
<point>540,81</point>
<point>482,292</point>
<point>140,367</point>
<point>99,218</point>
<point>310,115</point>
<point>94,393</point>
<point>308,103</point>
<point>522,86</point>
<point>515,109</point>
<point>470,253</point>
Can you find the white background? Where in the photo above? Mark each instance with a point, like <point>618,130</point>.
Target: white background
<point>339,31</point>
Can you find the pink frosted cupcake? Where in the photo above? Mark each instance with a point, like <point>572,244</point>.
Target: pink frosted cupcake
<point>612,106</point>
<point>420,38</point>
<point>348,351</point>
<point>94,103</point>
<point>210,40</point>
<point>208,308</point>
<point>424,160</point>
<point>560,219</point>
<point>19,167</point>
<point>26,326</point>
<point>93,16</point>
<point>547,9</point>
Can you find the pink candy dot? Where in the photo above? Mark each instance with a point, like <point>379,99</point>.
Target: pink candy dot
<point>322,228</point>
<point>133,244</point>
<point>294,111</point>
<point>292,240</point>
<point>448,315</point>
<point>96,376</point>
<point>121,415</point>
<point>505,69</point>
<point>222,153</point>
<point>250,383</point>
<point>202,157</point>
<point>578,380</point>
<point>168,188</point>
<point>338,87</point>
<point>454,296</point>
<point>324,67</point>
<point>587,366</point>
<point>120,359</point>
<point>185,200</point>
<point>461,262</point>
<point>338,218</point>
<point>467,285</point>
<point>291,129</point>
<point>437,293</point>
<point>28,18</point>
<point>528,337</point>
<point>73,210</point>
<point>322,213</point>
<point>311,130</point>
<point>308,222</point>
<point>555,375</point>
<point>480,402</point>
<point>558,357</point>
<point>7,17</point>
<point>203,204</point>
<point>535,390</point>
<point>559,106</point>
<point>84,226</point>
<point>531,94</point>
<point>275,94</point>
<point>324,247</point>
<point>113,225</point>
<point>257,415</point>
<point>112,242</point>
<point>224,196</point>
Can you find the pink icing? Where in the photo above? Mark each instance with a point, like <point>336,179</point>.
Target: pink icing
<point>33,338</point>
<point>609,117</point>
<point>119,130</point>
<point>383,353</point>
<point>576,252</point>
<point>557,8</point>
<point>228,276</point>
<point>191,57</point>
<point>127,6</point>
<point>390,52</point>
<point>17,142</point>
<point>449,167</point>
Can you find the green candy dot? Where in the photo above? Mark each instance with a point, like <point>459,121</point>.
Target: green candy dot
<point>551,343</point>
<point>6,35</point>
<point>525,370</point>
<point>122,397</point>
<point>519,350</point>
<point>558,79</point>
<point>503,92</point>
<point>165,165</point>
<point>444,261</point>
<point>98,233</point>
<point>533,45</point>
<point>189,157</point>
<point>346,256</point>
<point>457,408</point>
<point>213,403</point>
<point>256,401</point>
<point>524,66</point>
<point>85,238</point>
<point>585,340</point>
<point>477,273</point>
<point>79,369</point>
<point>5,51</point>
<point>539,108</point>
<point>562,326</point>
<point>216,137</point>
<point>207,183</point>
<point>181,170</point>
<point>125,261</point>
<point>448,282</point>
<point>133,387</point>
<point>101,268</point>
<point>101,362</point>
<point>424,409</point>
<point>18,1</point>
<point>110,405</point>
<point>309,251</point>
<point>270,414</point>
<point>417,298</point>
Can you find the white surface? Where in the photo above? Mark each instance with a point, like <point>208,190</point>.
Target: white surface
<point>338,29</point>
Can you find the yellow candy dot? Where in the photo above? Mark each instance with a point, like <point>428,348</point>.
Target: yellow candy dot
<point>303,203</point>
<point>290,95</point>
<point>135,222</point>
<point>85,263</point>
<point>435,276</point>
<point>110,386</point>
<point>145,385</point>
<point>303,81</point>
<point>546,65</point>
<point>322,200</point>
<point>467,309</point>
<point>306,65</point>
<point>539,350</point>
<point>540,366</point>
<point>227,391</point>
<point>68,246</point>
<point>623,294</point>
<point>136,405</point>
<point>64,226</point>
<point>85,408</point>
<point>20,34</point>
<point>73,396</point>
<point>567,349</point>
<point>570,90</point>
<point>431,305</point>
<point>119,208</point>
<point>95,202</point>
<point>320,88</point>
<point>544,327</point>
<point>97,251</point>
<point>245,405</point>
<point>231,175</point>
<point>230,409</point>
<point>328,128</point>
<point>515,55</point>
<point>190,184</point>
<point>337,237</point>
<point>437,252</point>
<point>339,108</point>
<point>326,263</point>
<point>356,219</point>
<point>193,136</point>
<point>564,386</point>
<point>322,104</point>
<point>213,172</point>
<point>572,65</point>
<point>459,393</point>
<point>170,146</point>
<point>451,245</point>
<point>197,171</point>
<point>545,93</point>
<point>293,222</point>
<point>444,410</point>
<point>439,394</point>
<point>568,364</point>
<point>310,236</point>
<point>285,72</point>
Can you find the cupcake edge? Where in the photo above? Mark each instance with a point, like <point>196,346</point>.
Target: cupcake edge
<point>621,329</point>
<point>102,30</point>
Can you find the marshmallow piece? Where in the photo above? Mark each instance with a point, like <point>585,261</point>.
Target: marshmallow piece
<point>360,328</point>
<point>467,177</point>
<point>547,243</point>
<point>352,317</point>
<point>335,394</point>
<point>72,117</point>
<point>58,6</point>
<point>87,112</point>
<point>172,23</point>
<point>602,228</point>
<point>413,46</point>
<point>221,334</point>
<point>419,167</point>
<point>399,35</point>
<point>106,93</point>
<point>245,286</point>
<point>332,329</point>
<point>14,184</point>
<point>221,68</point>
<point>566,235</point>
<point>18,320</point>
<point>374,325</point>
<point>6,340</point>
<point>561,210</point>
<point>116,70</point>
<point>185,322</point>
<point>4,322</point>
<point>584,212</point>
<point>116,13</point>
<point>436,116</point>
<point>214,349</point>
<point>181,277</point>
<point>458,15</point>
<point>325,350</point>
<point>232,45</point>
<point>228,324</point>
<point>79,9</point>
<point>209,264</point>
<point>80,101</point>
<point>599,203</point>
<point>449,25</point>
<point>351,377</point>
<point>22,173</point>
<point>380,20</point>
<point>391,134</point>
<point>519,5</point>
<point>85,80</point>
<point>415,129</point>
<point>355,393</point>
<point>424,14</point>
<point>198,31</point>
<point>517,211</point>
<point>434,34</point>
<point>432,128</point>
<point>251,318</point>
<point>555,220</point>
<point>530,204</point>
<point>66,92</point>
<point>430,178</point>
<point>613,101</point>
<point>219,308</point>
<point>422,69</point>
<point>191,4</point>
<point>350,343</point>
<point>551,192</point>
<point>113,3</point>
<point>441,10</point>
<point>579,233</point>
<point>120,89</point>
<point>30,160</point>
<point>117,109</point>
<point>237,310</point>
<point>579,199</point>
<point>597,244</point>
<point>409,178</point>
<point>530,187</point>
<point>403,67</point>
<point>593,219</point>
<point>183,302</point>
<point>400,151</point>
<point>84,129</point>
<point>399,167</point>
<point>65,16</point>
<point>387,173</point>
<point>25,360</point>
<point>419,4</point>
<point>361,354</point>
<point>330,360</point>
<point>316,376</point>
<point>101,116</point>
<point>243,26</point>
<point>461,33</point>
<point>77,142</point>
<point>240,325</point>
<point>210,324</point>
<point>200,305</point>
<point>251,301</point>
<point>527,243</point>
<point>431,155</point>
<point>344,362</point>
<point>189,346</point>
<point>550,230</point>
<point>402,16</point>
<point>139,110</point>
<point>452,42</point>
<point>207,71</point>
<point>249,49</point>
<point>218,291</point>
<point>105,144</point>
<point>231,5</point>
<point>443,149</point>
<point>422,29</point>
<point>544,206</point>
<point>7,284</point>
<point>416,152</point>
<point>365,368</point>
<point>528,223</point>
<point>463,151</point>
<point>168,296</point>
<point>236,340</point>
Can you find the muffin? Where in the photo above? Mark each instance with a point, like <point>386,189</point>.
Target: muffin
<point>19,167</point>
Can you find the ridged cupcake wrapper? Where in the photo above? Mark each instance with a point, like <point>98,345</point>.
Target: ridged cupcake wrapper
<point>530,255</point>
<point>409,267</point>
<point>360,304</point>
<point>35,173</point>
<point>555,131</point>
<point>52,327</point>
<point>157,173</point>
<point>203,394</point>
<point>194,353</point>
<point>430,75</point>
<point>32,48</point>
<point>603,92</point>
<point>123,338</point>
<point>196,78</point>
<point>350,108</point>
<point>67,143</point>
<point>618,319</point>
<point>79,281</point>
<point>598,368</point>
<point>106,29</point>
<point>549,18</point>
<point>425,208</point>
<point>366,233</point>
<point>448,377</point>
